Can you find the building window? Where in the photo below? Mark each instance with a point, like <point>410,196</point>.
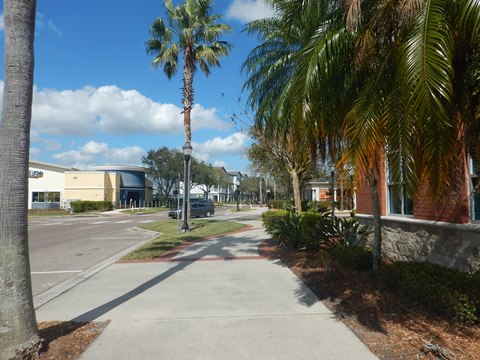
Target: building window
<point>46,196</point>
<point>398,201</point>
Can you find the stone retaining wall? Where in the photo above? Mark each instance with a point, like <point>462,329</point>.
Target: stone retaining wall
<point>450,245</point>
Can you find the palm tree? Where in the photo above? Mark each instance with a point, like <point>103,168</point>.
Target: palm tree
<point>19,334</point>
<point>271,68</point>
<point>416,82</point>
<point>195,32</point>
<point>192,30</point>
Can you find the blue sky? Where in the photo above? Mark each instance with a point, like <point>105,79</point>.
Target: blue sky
<point>97,101</point>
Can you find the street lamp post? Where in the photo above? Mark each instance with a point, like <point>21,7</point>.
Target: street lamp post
<point>187,153</point>
<point>332,172</point>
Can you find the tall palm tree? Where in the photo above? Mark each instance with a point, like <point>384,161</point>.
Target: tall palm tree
<point>191,29</point>
<point>19,335</point>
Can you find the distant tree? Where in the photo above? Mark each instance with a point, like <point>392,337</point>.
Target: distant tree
<point>164,166</point>
<point>250,187</point>
<point>286,156</point>
<point>204,176</point>
<point>223,180</point>
<point>18,327</point>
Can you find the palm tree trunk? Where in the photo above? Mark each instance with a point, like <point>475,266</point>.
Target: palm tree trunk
<point>377,224</point>
<point>18,328</point>
<point>297,198</point>
<point>188,73</point>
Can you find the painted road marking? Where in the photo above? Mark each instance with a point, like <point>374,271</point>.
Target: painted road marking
<point>55,272</point>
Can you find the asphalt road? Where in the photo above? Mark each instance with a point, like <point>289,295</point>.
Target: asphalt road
<point>61,247</point>
<point>66,250</point>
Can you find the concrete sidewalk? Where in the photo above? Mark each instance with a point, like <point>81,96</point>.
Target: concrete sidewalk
<point>217,299</point>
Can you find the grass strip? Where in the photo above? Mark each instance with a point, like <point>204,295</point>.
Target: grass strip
<point>144,210</point>
<point>170,237</point>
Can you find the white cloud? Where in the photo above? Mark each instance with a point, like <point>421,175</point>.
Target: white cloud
<point>92,153</point>
<point>2,22</point>
<point>34,152</point>
<point>42,22</point>
<point>112,110</point>
<point>249,10</point>
<point>234,144</point>
<point>220,163</point>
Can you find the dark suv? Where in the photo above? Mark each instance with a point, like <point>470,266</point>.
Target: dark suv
<point>198,208</point>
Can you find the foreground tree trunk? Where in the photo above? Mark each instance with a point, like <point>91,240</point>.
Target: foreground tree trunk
<point>18,328</point>
<point>377,224</point>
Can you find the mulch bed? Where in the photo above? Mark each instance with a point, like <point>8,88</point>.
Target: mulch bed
<point>67,340</point>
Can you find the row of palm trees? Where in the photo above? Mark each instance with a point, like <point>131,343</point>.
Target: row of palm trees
<point>394,80</point>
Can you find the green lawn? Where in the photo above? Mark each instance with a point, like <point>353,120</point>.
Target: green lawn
<point>49,212</point>
<point>145,210</point>
<point>171,237</point>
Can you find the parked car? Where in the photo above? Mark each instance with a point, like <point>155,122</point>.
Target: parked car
<point>198,208</point>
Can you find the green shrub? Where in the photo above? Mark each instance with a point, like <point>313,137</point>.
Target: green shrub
<point>448,292</point>
<point>277,204</point>
<point>310,230</point>
<point>77,206</point>
<point>270,219</point>
<point>354,257</point>
<point>81,206</point>
<point>284,226</point>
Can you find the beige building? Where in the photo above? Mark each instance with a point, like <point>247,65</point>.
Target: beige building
<point>54,186</point>
<point>92,185</point>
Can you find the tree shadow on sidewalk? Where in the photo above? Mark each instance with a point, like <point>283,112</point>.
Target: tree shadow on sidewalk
<point>204,250</point>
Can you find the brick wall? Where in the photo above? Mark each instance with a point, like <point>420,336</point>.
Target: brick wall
<point>364,199</point>
<point>453,208</point>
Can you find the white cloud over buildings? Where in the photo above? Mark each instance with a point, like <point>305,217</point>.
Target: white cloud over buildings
<point>112,110</point>
<point>234,144</point>
<point>86,156</point>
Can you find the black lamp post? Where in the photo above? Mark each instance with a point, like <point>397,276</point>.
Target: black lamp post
<point>187,153</point>
<point>332,172</point>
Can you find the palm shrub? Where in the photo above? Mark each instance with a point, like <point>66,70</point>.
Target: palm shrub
<point>314,206</point>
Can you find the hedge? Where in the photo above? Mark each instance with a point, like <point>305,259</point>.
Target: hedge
<point>81,206</point>
<point>354,257</point>
<point>451,293</point>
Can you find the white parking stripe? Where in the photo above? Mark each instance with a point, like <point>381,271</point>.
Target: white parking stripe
<point>88,227</point>
<point>55,272</point>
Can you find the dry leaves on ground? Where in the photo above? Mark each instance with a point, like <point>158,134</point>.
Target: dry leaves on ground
<point>67,340</point>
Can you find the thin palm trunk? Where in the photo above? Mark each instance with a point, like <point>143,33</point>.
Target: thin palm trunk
<point>297,199</point>
<point>188,73</point>
<point>377,222</point>
<point>18,329</point>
